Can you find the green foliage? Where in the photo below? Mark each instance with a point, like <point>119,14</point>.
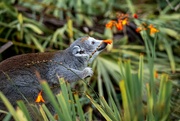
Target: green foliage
<point>135,106</point>
<point>67,108</point>
<point>67,105</point>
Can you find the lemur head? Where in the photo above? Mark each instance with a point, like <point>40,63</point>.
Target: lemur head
<point>87,48</point>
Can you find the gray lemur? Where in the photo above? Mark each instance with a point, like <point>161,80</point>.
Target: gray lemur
<point>18,74</point>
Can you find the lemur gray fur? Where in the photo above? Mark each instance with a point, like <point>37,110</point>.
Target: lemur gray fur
<point>18,72</point>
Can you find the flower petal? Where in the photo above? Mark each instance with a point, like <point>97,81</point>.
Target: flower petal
<point>153,30</point>
<point>39,98</point>
<point>135,15</point>
<point>110,24</point>
<point>119,26</point>
<point>108,41</point>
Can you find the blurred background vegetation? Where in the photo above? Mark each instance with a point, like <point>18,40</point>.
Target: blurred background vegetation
<point>49,25</point>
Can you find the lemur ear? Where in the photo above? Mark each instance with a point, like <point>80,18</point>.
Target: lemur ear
<point>79,52</point>
<point>76,50</point>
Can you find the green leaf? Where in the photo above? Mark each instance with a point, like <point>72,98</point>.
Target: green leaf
<point>99,109</point>
<point>20,18</point>
<point>20,114</point>
<point>23,107</point>
<point>115,109</point>
<point>79,107</point>
<point>52,99</point>
<point>169,51</point>
<point>64,106</point>
<point>9,107</point>
<point>107,109</point>
<point>43,113</point>
<point>64,91</point>
<point>48,113</point>
<point>171,32</point>
<point>141,70</point>
<point>33,27</point>
<point>72,102</point>
<point>7,117</point>
<point>126,105</point>
<point>108,33</point>
<point>36,42</point>
<point>164,100</point>
<point>70,28</point>
<point>150,104</point>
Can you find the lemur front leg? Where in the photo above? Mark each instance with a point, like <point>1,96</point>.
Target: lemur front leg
<point>72,75</point>
<point>87,72</point>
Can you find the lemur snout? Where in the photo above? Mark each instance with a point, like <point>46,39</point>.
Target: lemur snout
<point>103,46</point>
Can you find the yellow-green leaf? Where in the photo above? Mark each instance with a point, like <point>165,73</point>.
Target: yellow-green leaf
<point>20,18</point>
<point>34,28</point>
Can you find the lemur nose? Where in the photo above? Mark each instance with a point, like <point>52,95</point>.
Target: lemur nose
<point>102,46</point>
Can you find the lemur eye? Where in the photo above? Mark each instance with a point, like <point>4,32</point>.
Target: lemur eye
<point>81,52</point>
<point>92,42</point>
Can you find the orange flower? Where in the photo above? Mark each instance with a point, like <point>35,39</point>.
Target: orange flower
<point>155,74</point>
<point>135,15</point>
<point>125,21</point>
<point>122,21</point>
<point>119,26</point>
<point>110,24</point>
<point>153,30</point>
<point>39,98</point>
<point>138,29</point>
<point>107,41</point>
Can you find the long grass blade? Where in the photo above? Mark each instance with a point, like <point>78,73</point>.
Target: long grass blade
<point>79,108</point>
<point>9,106</point>
<point>105,115</point>
<point>52,99</point>
<point>23,107</point>
<point>48,113</point>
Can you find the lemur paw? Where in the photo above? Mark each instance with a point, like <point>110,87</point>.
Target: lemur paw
<point>87,72</point>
